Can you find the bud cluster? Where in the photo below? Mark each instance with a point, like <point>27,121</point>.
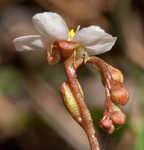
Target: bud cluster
<point>114,117</point>
<point>116,94</point>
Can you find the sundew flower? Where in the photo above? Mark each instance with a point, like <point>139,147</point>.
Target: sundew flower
<point>52,27</point>
<point>76,48</point>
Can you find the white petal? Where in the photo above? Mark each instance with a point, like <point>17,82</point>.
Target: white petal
<point>51,25</point>
<point>95,39</point>
<point>29,42</point>
<point>101,47</point>
<point>88,35</point>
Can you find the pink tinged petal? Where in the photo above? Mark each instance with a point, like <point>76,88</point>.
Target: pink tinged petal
<point>94,39</point>
<point>29,43</point>
<point>52,25</point>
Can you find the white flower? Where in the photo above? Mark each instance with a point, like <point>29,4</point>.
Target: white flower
<point>52,27</point>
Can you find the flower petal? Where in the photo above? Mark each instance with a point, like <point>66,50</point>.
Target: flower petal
<point>101,47</point>
<point>29,43</point>
<point>51,25</point>
<point>94,39</point>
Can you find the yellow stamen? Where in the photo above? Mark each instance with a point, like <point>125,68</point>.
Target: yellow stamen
<point>71,34</point>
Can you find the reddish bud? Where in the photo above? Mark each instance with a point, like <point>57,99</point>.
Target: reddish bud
<point>118,117</point>
<point>106,122</point>
<point>116,74</point>
<point>110,130</point>
<point>119,94</point>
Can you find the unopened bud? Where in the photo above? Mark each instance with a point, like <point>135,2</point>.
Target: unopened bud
<point>119,94</point>
<point>118,117</point>
<point>111,129</point>
<point>116,74</point>
<point>106,122</point>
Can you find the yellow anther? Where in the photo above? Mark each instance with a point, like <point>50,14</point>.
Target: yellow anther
<point>71,34</point>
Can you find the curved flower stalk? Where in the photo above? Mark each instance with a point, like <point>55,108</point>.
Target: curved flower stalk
<point>75,49</point>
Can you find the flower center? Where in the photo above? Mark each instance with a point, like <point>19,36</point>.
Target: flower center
<point>71,34</point>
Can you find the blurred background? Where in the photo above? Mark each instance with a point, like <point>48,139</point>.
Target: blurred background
<point>32,114</point>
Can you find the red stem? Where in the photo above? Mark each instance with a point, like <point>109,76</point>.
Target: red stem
<point>87,123</point>
<point>106,75</point>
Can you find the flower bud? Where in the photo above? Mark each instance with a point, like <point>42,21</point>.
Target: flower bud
<point>106,122</point>
<point>111,129</point>
<point>118,117</point>
<point>119,94</point>
<point>116,74</point>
